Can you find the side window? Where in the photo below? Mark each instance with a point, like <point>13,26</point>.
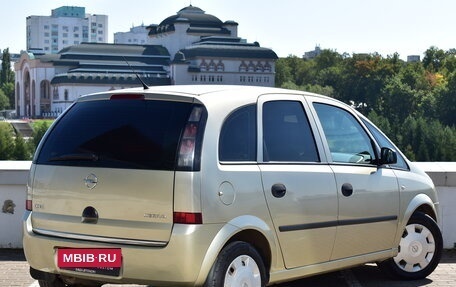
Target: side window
<point>238,136</point>
<point>287,135</point>
<point>383,141</point>
<point>348,141</point>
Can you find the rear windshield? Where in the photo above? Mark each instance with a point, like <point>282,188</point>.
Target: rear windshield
<point>135,134</point>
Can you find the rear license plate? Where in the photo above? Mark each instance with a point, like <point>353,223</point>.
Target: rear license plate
<point>103,261</point>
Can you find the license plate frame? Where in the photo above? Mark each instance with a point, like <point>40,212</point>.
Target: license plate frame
<point>99,261</point>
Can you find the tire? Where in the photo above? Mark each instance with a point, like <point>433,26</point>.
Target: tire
<point>420,250</point>
<point>237,265</point>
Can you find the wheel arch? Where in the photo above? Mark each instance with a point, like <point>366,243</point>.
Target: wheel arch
<point>249,229</point>
<point>421,203</point>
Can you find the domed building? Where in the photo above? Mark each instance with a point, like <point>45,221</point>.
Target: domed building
<point>206,50</point>
<point>190,47</point>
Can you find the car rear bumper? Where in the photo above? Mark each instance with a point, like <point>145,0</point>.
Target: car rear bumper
<point>184,261</point>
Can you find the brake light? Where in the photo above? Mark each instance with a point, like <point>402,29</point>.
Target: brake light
<point>127,97</point>
<point>28,204</point>
<point>187,147</point>
<point>188,217</point>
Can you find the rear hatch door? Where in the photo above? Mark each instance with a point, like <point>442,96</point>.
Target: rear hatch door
<point>105,171</point>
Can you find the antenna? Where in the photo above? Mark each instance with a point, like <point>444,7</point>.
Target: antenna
<point>146,87</point>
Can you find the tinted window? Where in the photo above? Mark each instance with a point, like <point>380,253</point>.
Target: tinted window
<point>347,140</point>
<point>287,135</point>
<point>383,141</point>
<point>238,136</point>
<point>117,133</point>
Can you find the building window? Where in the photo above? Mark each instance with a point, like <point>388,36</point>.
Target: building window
<point>242,79</point>
<point>100,32</point>
<point>266,79</point>
<point>211,78</point>
<point>219,78</point>
<point>203,66</point>
<point>220,66</point>
<point>250,79</point>
<point>259,67</point>
<point>203,78</point>
<point>46,27</point>
<point>76,35</point>
<point>46,41</point>
<point>55,27</point>
<point>94,24</point>
<point>195,78</point>
<point>65,35</point>
<point>251,67</point>
<point>65,95</point>
<point>100,25</point>
<point>267,67</point>
<point>212,66</point>
<point>65,28</point>
<point>46,34</point>
<point>75,29</point>
<point>243,67</point>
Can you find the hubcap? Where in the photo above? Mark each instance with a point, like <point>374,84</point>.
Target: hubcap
<point>416,248</point>
<point>243,272</point>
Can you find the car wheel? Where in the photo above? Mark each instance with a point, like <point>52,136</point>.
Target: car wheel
<point>237,265</point>
<point>420,250</point>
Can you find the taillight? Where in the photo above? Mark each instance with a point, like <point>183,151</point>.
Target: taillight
<point>188,217</point>
<point>28,204</point>
<point>189,141</point>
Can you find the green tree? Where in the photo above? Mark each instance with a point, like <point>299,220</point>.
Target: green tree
<point>6,141</point>
<point>4,101</point>
<point>21,150</point>
<point>6,74</point>
<point>433,59</point>
<point>39,129</point>
<point>8,90</point>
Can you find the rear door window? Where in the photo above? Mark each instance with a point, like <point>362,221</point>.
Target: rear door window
<point>287,135</point>
<point>136,134</point>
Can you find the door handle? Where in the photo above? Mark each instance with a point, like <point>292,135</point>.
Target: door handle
<point>278,190</point>
<point>347,189</point>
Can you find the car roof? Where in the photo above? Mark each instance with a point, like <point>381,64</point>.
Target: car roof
<point>206,94</point>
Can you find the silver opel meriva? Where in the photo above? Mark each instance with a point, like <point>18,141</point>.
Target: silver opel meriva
<point>222,186</point>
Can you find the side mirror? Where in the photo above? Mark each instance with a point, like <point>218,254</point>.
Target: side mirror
<point>387,156</point>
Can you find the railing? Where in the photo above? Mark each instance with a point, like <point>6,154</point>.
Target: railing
<point>13,178</point>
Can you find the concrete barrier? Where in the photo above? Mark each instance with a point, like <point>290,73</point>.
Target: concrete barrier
<point>13,178</point>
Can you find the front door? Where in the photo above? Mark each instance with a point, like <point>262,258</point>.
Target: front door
<point>299,189</point>
<point>368,195</point>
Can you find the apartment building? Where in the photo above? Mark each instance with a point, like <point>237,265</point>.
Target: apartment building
<point>66,26</point>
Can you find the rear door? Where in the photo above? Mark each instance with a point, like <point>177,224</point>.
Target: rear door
<point>300,190</point>
<point>106,171</point>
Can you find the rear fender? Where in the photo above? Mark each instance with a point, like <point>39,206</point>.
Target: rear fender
<point>230,230</point>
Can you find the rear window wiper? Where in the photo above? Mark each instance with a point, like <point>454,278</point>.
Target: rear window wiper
<point>75,156</point>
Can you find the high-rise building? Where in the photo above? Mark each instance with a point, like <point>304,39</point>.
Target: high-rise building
<point>67,26</point>
<point>137,35</point>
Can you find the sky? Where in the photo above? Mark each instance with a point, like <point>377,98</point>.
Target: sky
<point>289,27</point>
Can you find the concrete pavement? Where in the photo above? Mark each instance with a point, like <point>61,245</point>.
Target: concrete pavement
<point>14,273</point>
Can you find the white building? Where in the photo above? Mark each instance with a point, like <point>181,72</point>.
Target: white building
<point>136,35</point>
<point>191,47</point>
<point>206,50</point>
<point>67,25</point>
